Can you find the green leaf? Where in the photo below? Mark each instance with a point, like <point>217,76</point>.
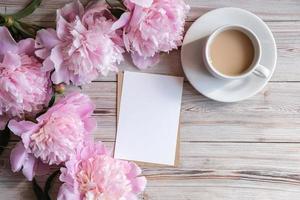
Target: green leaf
<point>116,7</point>
<point>109,3</point>
<point>122,3</point>
<point>49,183</point>
<point>33,28</point>
<point>18,29</point>
<point>29,9</point>
<point>2,20</point>
<point>116,4</point>
<point>52,100</point>
<point>15,33</point>
<point>117,12</point>
<point>23,30</point>
<point>38,190</point>
<point>4,138</point>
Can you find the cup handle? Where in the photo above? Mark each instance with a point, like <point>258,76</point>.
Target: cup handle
<point>262,71</point>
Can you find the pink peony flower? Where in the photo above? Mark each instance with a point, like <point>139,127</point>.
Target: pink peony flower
<point>150,27</point>
<point>143,3</point>
<point>93,174</point>
<point>24,88</point>
<point>83,45</point>
<point>55,136</point>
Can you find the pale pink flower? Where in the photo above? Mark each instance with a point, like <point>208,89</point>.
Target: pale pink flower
<point>94,174</point>
<point>24,88</point>
<point>82,47</point>
<point>149,30</point>
<point>55,136</point>
<point>143,3</point>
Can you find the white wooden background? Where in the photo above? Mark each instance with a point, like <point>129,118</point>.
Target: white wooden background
<point>246,150</point>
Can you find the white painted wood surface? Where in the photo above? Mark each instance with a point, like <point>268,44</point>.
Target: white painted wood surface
<point>246,150</point>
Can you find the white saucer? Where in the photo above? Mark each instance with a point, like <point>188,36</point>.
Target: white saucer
<point>195,70</point>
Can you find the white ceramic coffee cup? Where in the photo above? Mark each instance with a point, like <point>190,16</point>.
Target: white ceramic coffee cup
<point>254,68</point>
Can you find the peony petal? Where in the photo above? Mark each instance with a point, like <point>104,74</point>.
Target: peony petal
<point>48,65</point>
<point>95,9</point>
<point>26,138</point>
<point>11,60</point>
<point>42,53</point>
<point>71,10</point>
<point>46,39</point>
<point>100,148</point>
<point>129,5</point>
<point>131,196</point>
<point>90,124</point>
<point>144,62</point>
<point>61,27</point>
<point>7,43</point>
<point>61,73</point>
<point>139,184</point>
<point>86,110</point>
<point>67,193</point>
<point>26,46</point>
<point>126,42</point>
<point>18,128</point>
<point>134,170</point>
<point>137,17</point>
<point>65,175</point>
<point>57,56</point>
<point>18,157</point>
<point>91,147</point>
<point>29,167</point>
<point>122,21</point>
<point>143,3</point>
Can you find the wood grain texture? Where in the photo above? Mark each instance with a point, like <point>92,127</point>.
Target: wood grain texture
<point>270,10</point>
<point>206,167</point>
<point>266,117</point>
<point>248,150</point>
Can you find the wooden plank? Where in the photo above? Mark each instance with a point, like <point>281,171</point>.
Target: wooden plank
<point>271,10</point>
<point>212,189</point>
<point>274,162</point>
<point>273,115</point>
<point>223,189</point>
<point>208,169</point>
<point>284,10</point>
<point>260,169</point>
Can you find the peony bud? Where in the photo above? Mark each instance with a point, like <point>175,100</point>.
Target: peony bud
<point>9,21</point>
<point>60,88</point>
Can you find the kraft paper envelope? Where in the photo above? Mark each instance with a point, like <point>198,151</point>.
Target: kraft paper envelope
<point>167,152</point>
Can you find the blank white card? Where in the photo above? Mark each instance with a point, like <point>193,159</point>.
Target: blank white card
<point>149,118</point>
